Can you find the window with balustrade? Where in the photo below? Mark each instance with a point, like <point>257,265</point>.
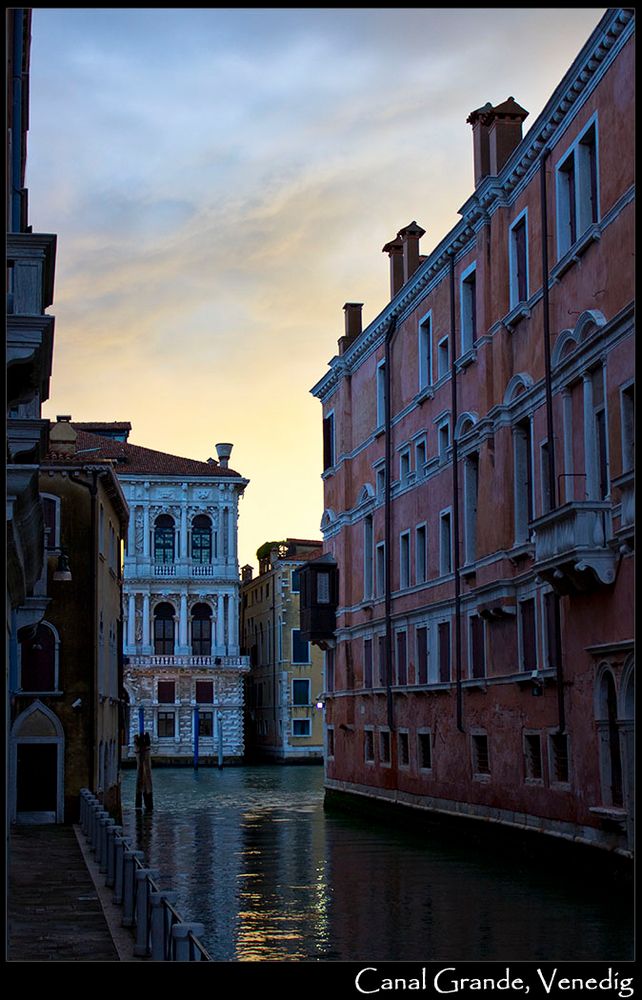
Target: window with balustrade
<point>164,534</point>
<point>164,629</point>
<point>202,551</point>
<point>201,630</point>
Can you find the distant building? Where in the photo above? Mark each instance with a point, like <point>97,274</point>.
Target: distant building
<point>183,673</point>
<point>67,696</point>
<point>284,722</point>
<point>479,485</point>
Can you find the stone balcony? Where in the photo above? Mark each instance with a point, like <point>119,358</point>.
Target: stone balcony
<point>626,485</point>
<point>572,550</point>
<point>143,567</point>
<point>241,663</point>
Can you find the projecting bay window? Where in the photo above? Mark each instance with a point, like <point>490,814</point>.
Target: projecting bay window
<point>425,352</point>
<point>523,479</point>
<point>518,260</point>
<point>577,190</point>
<point>468,307</point>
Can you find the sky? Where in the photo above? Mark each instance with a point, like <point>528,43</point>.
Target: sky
<point>222,182</point>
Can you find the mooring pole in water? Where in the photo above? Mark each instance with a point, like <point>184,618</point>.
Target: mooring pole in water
<point>141,720</point>
<point>219,719</point>
<point>196,738</point>
<point>144,793</point>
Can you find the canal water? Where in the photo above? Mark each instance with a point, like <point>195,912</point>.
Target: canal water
<point>254,856</point>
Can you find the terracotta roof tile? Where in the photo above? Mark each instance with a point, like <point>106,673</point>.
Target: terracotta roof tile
<point>135,460</point>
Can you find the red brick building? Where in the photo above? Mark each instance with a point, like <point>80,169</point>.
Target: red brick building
<point>478,484</point>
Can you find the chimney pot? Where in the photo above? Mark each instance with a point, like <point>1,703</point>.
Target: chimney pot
<point>410,237</point>
<point>224,450</point>
<point>394,249</point>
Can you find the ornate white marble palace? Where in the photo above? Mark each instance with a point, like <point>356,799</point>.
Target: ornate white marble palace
<point>182,669</point>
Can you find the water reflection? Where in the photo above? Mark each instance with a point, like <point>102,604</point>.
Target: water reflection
<point>254,857</point>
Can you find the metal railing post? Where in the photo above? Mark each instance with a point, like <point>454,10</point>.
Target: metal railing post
<point>183,948</point>
<point>113,831</point>
<point>161,930</point>
<point>129,884</point>
<point>143,875</point>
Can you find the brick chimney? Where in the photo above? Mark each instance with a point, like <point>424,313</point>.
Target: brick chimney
<point>497,132</point>
<point>62,437</point>
<point>505,132</point>
<point>394,249</point>
<point>410,237</point>
<point>352,313</point>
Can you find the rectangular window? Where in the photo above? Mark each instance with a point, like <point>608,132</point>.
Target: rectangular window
<point>328,442</point>
<point>204,692</point>
<point>628,427</point>
<point>368,746</point>
<point>481,761</point>
<point>477,647</point>
<point>381,393</point>
<point>301,727</point>
<point>468,303</point>
<point>404,464</point>
<point>368,557</point>
<point>558,757</point>
<point>523,479</point>
<point>533,756</point>
<point>166,692</point>
<point>518,261</point>
<point>300,648</point>
<point>384,746</point>
<point>552,629</point>
<point>443,357</point>
<point>424,747</point>
<point>545,476</point>
<point>445,543</point>
<point>600,434</point>
<point>443,635</point>
<point>421,553</point>
<point>367,663</point>
<point>404,560</point>
<point>206,725</point>
<point>528,635</point>
<point>471,487</point>
<point>422,654</point>
<point>381,649</point>
<point>577,190</point>
<point>443,438</point>
<point>381,568</point>
<point>329,670</point>
<point>166,725</point>
<point>381,481</point>
<point>404,750</point>
<point>330,741</point>
<point>301,692</point>
<point>402,658</point>
<point>421,457</point>
<point>296,585</point>
<point>51,514</point>
<point>425,350</point>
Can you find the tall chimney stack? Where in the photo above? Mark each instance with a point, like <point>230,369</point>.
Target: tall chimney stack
<point>394,249</point>
<point>353,327</point>
<point>481,152</point>
<point>497,132</point>
<point>410,237</point>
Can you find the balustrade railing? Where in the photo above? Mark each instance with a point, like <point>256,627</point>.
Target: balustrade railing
<point>159,930</point>
<point>188,661</point>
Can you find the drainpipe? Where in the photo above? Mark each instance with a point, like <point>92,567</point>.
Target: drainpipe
<point>455,474</point>
<point>388,519</point>
<point>549,419</point>
<point>93,493</point>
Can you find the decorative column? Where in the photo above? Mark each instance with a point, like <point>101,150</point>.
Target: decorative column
<point>131,622</point>
<point>220,634</point>
<point>146,634</point>
<point>590,463</point>
<point>183,647</point>
<point>567,411</point>
<point>232,526</point>
<point>232,627</point>
<point>131,534</point>
<point>183,553</point>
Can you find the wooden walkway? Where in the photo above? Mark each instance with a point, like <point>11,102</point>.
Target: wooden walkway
<point>54,913</point>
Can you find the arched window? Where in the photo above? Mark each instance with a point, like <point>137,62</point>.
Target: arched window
<point>610,740</point>
<point>202,539</point>
<point>164,629</point>
<point>164,539</point>
<point>38,660</point>
<point>201,630</point>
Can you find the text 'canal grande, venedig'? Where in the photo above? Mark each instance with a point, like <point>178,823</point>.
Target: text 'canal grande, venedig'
<point>272,875</point>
